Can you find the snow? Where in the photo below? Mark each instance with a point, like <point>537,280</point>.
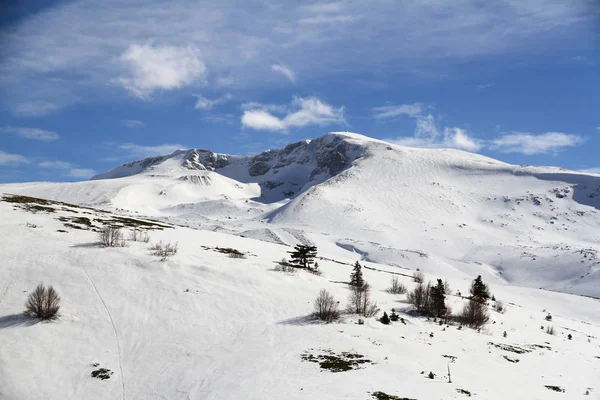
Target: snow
<point>205,326</point>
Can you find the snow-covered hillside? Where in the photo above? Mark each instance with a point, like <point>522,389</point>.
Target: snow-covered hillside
<point>444,211</point>
<point>202,325</point>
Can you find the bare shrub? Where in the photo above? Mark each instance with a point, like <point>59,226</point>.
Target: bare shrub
<point>284,266</point>
<point>420,297</point>
<point>447,288</point>
<point>397,287</point>
<point>418,277</point>
<point>43,303</point>
<point>137,235</point>
<point>448,317</point>
<point>326,308</point>
<point>550,330</point>
<point>111,236</point>
<point>164,250</point>
<point>359,301</point>
<point>474,314</point>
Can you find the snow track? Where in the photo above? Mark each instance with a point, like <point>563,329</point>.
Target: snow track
<point>114,328</point>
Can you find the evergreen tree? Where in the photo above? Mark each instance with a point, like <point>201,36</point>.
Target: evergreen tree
<point>356,277</point>
<point>437,302</point>
<point>385,319</point>
<point>303,256</point>
<point>479,290</point>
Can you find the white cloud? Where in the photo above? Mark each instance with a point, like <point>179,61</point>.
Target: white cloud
<point>12,159</point>
<point>55,164</point>
<point>132,123</point>
<point>262,120</point>
<point>81,173</point>
<point>203,103</point>
<point>385,112</point>
<point>285,71</point>
<point>301,112</point>
<point>154,68</point>
<point>590,170</point>
<point>455,138</point>
<point>137,150</point>
<point>31,133</point>
<point>529,143</point>
<point>35,108</point>
<point>486,85</point>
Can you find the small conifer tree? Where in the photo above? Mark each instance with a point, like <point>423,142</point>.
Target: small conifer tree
<point>303,256</point>
<point>356,277</point>
<point>479,290</point>
<point>385,319</point>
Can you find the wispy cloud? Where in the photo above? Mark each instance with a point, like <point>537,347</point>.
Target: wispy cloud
<point>12,159</point>
<point>132,123</point>
<point>486,85</point>
<point>81,173</point>
<point>203,103</point>
<point>285,71</point>
<point>428,134</point>
<point>31,133</point>
<point>388,112</point>
<point>301,112</point>
<point>55,164</point>
<point>153,68</point>
<point>529,143</point>
<point>108,42</point>
<point>137,150</point>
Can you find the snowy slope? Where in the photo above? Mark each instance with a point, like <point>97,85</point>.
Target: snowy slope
<point>205,326</point>
<point>444,211</point>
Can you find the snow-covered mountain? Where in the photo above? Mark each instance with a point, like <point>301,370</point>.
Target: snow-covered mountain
<point>469,214</point>
<point>203,325</point>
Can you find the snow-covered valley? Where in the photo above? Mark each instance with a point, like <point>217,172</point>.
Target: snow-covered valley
<point>203,325</point>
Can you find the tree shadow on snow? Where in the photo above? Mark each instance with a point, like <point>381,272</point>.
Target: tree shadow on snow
<point>16,320</point>
<point>304,320</point>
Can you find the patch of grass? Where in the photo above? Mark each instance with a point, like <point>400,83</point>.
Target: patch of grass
<point>136,223</point>
<point>385,396</point>
<point>102,373</point>
<point>73,226</point>
<point>82,221</point>
<point>511,348</point>
<point>539,346</point>
<point>464,391</point>
<point>555,388</point>
<point>61,230</point>
<point>229,250</point>
<point>13,198</point>
<point>451,358</point>
<point>342,362</point>
<point>511,359</point>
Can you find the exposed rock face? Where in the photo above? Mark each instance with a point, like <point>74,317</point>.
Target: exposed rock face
<point>205,160</point>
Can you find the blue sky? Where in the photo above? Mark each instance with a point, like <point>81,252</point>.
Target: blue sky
<point>88,85</point>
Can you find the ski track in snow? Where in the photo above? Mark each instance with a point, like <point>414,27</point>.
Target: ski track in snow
<point>112,322</point>
<point>4,291</point>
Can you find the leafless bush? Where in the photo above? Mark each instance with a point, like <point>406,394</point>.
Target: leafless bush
<point>326,308</point>
<point>359,301</point>
<point>550,330</point>
<point>284,266</point>
<point>43,303</point>
<point>418,277</point>
<point>447,288</point>
<point>419,297</point>
<point>137,235</point>
<point>111,236</point>
<point>474,314</point>
<point>164,250</point>
<point>448,317</point>
<point>397,287</point>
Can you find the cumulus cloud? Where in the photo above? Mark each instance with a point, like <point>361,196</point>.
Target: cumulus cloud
<point>31,133</point>
<point>12,159</point>
<point>35,108</point>
<point>81,173</point>
<point>152,68</point>
<point>132,123</point>
<point>529,143</point>
<point>300,113</point>
<point>285,71</point>
<point>486,85</point>
<point>203,103</point>
<point>386,112</point>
